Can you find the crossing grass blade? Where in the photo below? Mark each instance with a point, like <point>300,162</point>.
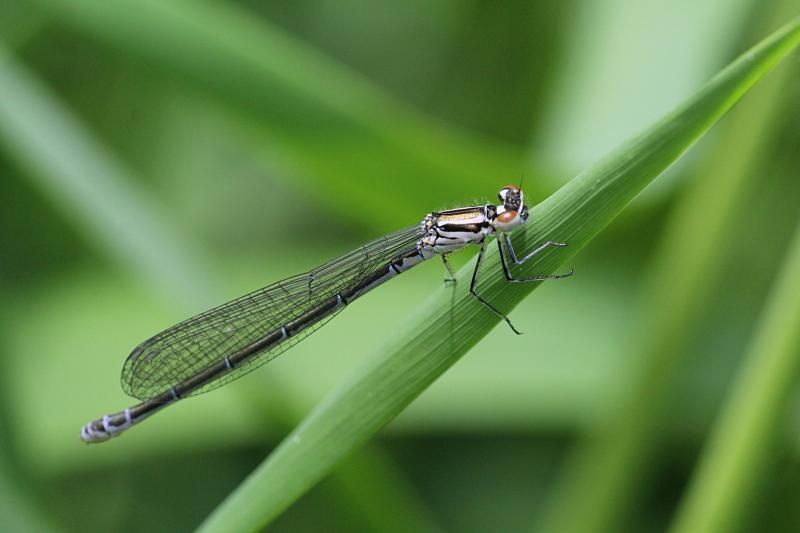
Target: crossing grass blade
<point>448,324</point>
<point>747,436</point>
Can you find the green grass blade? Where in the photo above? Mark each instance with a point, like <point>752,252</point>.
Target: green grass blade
<point>339,128</point>
<point>91,187</point>
<point>451,322</point>
<point>747,435</point>
<point>600,481</point>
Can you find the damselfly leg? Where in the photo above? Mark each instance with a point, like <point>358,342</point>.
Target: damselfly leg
<point>474,283</point>
<point>509,254</point>
<point>504,259</point>
<point>451,275</point>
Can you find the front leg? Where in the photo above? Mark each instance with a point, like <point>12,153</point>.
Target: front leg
<point>513,254</point>
<point>513,257</point>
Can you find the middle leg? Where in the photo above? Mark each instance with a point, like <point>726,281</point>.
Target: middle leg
<point>474,283</point>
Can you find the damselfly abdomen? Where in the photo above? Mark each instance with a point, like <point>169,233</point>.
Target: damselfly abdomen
<point>224,343</point>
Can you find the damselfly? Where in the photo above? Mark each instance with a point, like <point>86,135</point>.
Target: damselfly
<point>220,345</point>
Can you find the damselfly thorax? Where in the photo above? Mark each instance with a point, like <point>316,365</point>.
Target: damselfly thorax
<point>448,231</point>
<point>224,343</point>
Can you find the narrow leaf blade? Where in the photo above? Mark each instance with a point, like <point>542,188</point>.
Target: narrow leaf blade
<point>449,324</point>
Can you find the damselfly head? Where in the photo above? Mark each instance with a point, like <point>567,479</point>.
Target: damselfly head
<point>513,212</point>
<point>511,197</point>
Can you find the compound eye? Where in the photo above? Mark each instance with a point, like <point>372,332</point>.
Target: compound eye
<point>513,200</point>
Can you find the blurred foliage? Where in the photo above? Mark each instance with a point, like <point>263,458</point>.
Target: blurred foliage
<point>157,158</point>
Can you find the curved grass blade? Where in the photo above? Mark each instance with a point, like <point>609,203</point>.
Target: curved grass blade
<point>339,128</point>
<point>443,331</point>
<point>747,435</point>
<point>91,187</point>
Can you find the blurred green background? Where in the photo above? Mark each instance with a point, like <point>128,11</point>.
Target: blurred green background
<point>158,158</point>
